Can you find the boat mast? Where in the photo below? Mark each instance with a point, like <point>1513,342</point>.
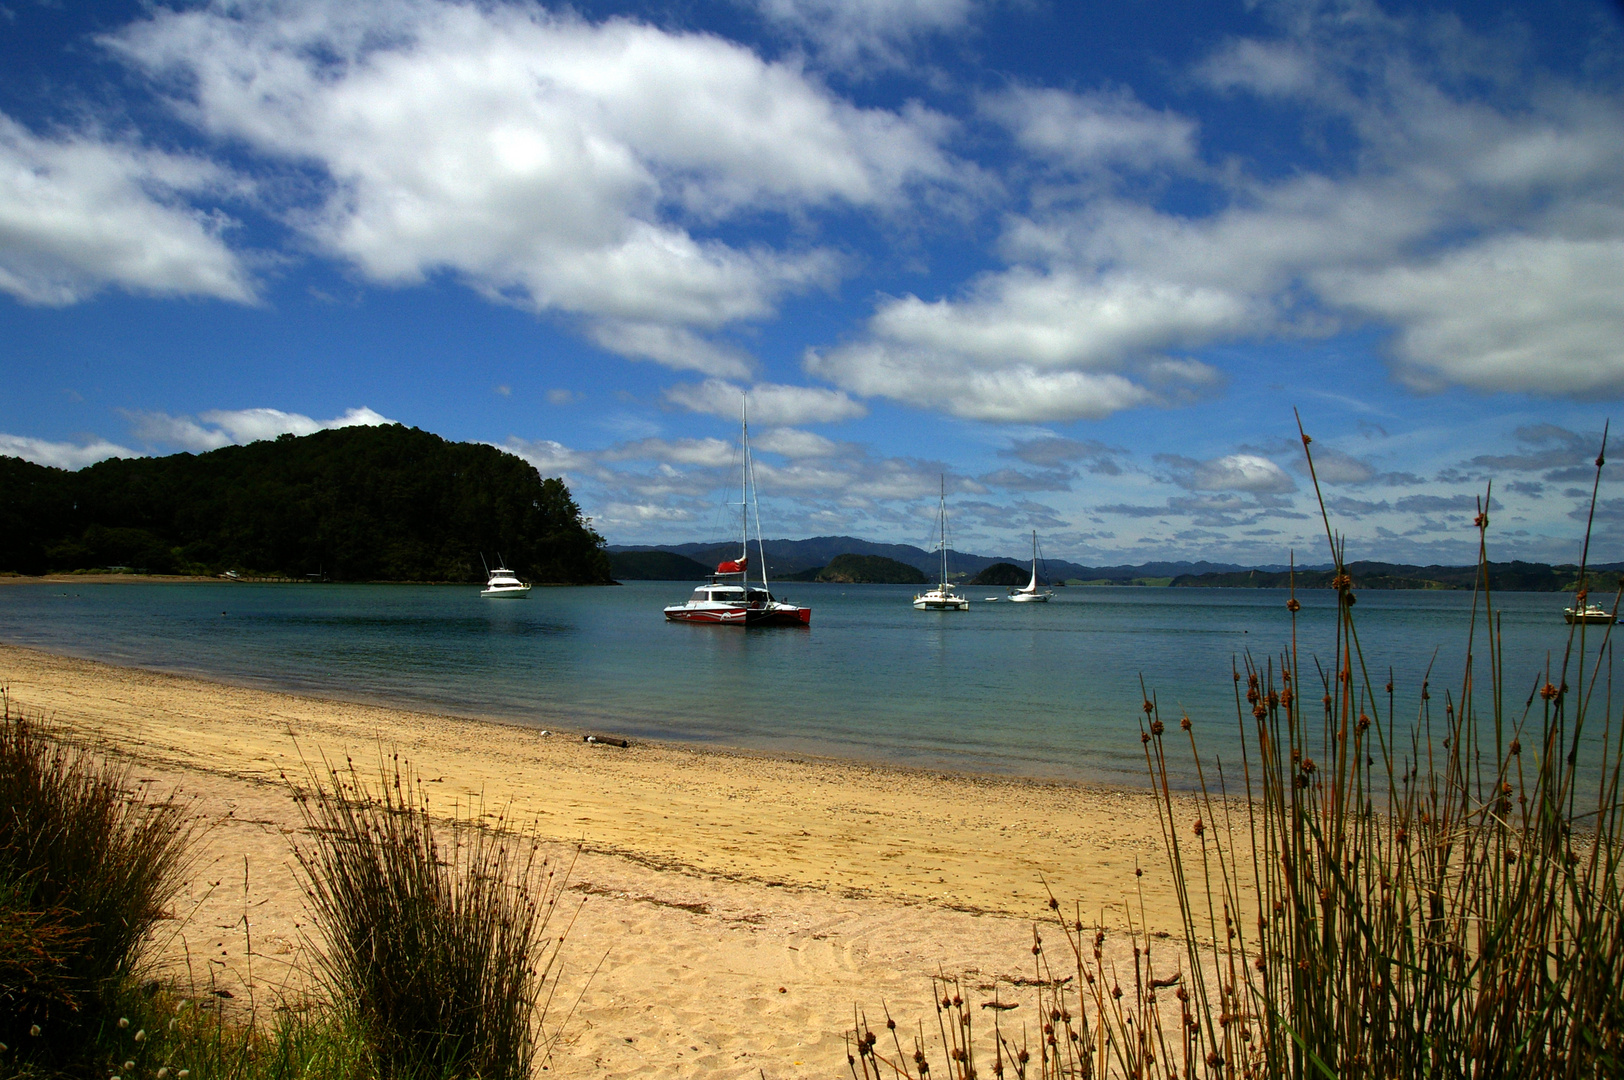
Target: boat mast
<point>744,476</point>
<point>942,513</point>
<point>755,502</point>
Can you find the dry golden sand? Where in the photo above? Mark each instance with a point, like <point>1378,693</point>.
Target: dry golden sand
<point>707,881</point>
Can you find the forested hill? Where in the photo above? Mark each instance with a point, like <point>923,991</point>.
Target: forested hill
<point>353,504</point>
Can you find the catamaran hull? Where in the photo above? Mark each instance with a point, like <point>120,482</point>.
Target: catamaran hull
<point>785,615</point>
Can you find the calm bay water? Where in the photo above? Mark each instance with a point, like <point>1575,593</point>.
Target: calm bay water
<point>1044,690</point>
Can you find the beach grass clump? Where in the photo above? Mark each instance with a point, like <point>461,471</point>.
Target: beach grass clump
<point>436,942</point>
<point>89,863</point>
<point>1373,889</point>
<point>155,1032</point>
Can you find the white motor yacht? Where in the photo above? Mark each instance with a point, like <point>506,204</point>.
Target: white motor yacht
<point>503,582</point>
<point>1590,613</point>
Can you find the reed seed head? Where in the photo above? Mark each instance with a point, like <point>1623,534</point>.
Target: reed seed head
<point>1293,605</point>
<point>1185,723</point>
<point>123,1022</point>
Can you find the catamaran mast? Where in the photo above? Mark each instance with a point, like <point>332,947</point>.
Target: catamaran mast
<point>942,513</point>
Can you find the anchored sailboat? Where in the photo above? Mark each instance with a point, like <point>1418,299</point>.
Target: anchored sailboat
<point>1031,594</point>
<point>942,597</point>
<point>729,599</point>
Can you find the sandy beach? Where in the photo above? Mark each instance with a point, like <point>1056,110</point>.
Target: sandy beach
<point>734,907</point>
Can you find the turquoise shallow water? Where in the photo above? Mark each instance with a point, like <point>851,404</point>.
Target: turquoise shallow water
<point>1034,690</point>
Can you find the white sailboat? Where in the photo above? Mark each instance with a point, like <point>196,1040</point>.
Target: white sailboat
<point>942,597</point>
<point>1031,594</point>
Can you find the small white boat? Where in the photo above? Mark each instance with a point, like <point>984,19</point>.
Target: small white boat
<point>942,597</point>
<point>1590,613</point>
<point>503,582</point>
<point>1031,594</point>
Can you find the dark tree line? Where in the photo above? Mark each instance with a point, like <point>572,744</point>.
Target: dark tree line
<point>353,504</point>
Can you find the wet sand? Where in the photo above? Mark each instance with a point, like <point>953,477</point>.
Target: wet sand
<point>734,907</point>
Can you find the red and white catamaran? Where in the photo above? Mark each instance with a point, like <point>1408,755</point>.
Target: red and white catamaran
<point>730,599</point>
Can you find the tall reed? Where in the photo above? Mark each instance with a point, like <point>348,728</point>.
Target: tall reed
<point>1441,894</point>
<point>88,864</point>
<point>436,939</point>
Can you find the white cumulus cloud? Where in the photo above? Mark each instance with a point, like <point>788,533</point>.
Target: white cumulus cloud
<point>771,404</point>
<point>547,161</point>
<point>1031,346</point>
<point>795,443</point>
<point>81,212</point>
<point>1538,314</point>
<point>860,33</point>
<point>1232,472</point>
<point>224,427</point>
<point>1094,130</point>
<point>1482,231</point>
<point>61,455</point>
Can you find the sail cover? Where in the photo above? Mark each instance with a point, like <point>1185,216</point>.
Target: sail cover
<point>731,567</point>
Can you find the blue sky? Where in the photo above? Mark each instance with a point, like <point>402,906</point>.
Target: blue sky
<point>1082,259</point>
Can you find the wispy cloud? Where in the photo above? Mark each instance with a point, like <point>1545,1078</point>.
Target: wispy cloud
<point>62,455</point>
<point>224,427</point>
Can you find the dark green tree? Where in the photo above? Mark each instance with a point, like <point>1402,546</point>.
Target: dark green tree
<point>354,504</point>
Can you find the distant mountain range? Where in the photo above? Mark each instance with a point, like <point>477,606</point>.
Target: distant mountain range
<point>788,558</point>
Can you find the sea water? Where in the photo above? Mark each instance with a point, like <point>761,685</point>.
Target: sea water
<point>1042,690</point>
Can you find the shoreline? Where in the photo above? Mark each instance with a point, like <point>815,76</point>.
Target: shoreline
<point>712,878</point>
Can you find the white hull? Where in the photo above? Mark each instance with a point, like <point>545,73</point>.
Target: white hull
<point>1590,613</point>
<point>941,600</point>
<point>730,603</point>
<point>942,597</point>
<point>504,582</point>
<point>1031,594</point>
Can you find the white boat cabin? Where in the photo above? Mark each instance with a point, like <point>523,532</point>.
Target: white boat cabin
<point>728,594</point>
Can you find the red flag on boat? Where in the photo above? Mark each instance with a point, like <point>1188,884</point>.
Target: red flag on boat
<point>731,567</point>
